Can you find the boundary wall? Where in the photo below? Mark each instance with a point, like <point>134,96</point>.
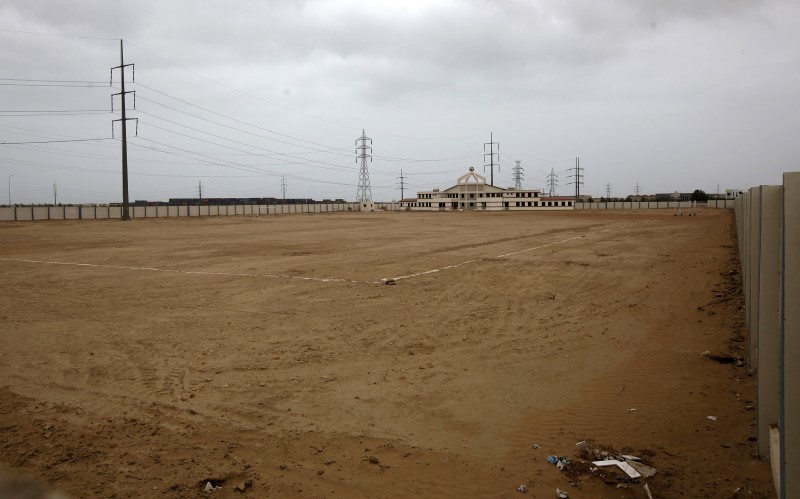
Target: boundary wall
<point>768,229</point>
<point>650,205</point>
<point>68,212</point>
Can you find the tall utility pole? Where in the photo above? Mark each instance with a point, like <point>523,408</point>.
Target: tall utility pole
<point>200,191</point>
<point>55,193</point>
<point>552,183</point>
<point>363,151</point>
<point>9,189</point>
<point>578,178</point>
<point>608,191</point>
<point>283,186</point>
<point>517,175</point>
<point>402,184</point>
<point>491,155</point>
<point>124,120</point>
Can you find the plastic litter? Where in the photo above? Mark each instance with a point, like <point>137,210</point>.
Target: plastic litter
<point>621,464</point>
<point>712,418</point>
<point>561,494</point>
<point>535,446</point>
<point>210,487</point>
<point>522,488</point>
<point>647,489</point>
<point>643,469</point>
<point>561,462</point>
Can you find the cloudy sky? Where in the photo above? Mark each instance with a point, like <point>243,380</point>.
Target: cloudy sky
<point>666,94</point>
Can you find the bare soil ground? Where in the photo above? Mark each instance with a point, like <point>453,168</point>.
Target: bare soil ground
<point>262,355</point>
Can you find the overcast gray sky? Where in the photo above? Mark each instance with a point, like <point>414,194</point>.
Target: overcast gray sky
<point>672,95</point>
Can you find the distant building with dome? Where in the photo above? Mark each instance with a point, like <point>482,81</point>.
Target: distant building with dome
<point>471,192</point>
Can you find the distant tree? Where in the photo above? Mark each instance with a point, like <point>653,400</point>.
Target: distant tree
<point>591,199</point>
<point>699,195</point>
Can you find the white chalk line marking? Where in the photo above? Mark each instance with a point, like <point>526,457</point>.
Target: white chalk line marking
<point>409,276</point>
<point>191,272</point>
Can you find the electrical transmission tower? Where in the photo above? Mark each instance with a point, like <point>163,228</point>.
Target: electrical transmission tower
<point>552,183</point>
<point>608,191</point>
<point>283,186</point>
<point>577,179</point>
<point>124,121</point>
<point>637,190</point>
<point>491,155</point>
<point>517,175</point>
<point>363,151</point>
<point>402,184</point>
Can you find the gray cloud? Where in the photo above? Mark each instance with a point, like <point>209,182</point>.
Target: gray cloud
<point>676,95</point>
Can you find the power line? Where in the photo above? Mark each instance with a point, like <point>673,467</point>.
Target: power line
<point>87,82</point>
<point>62,85</point>
<point>52,141</point>
<point>344,152</point>
<point>23,114</point>
<point>39,33</point>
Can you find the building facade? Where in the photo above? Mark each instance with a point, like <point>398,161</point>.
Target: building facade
<point>471,192</point>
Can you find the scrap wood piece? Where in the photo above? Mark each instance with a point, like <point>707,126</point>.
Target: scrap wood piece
<point>621,464</point>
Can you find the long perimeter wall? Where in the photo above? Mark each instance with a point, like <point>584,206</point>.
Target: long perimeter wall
<point>650,205</point>
<point>768,227</point>
<point>66,212</point>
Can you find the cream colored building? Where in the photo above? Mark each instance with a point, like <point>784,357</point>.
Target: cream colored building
<point>471,192</point>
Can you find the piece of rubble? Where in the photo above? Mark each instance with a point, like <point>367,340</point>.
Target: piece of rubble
<point>643,469</point>
<point>621,464</point>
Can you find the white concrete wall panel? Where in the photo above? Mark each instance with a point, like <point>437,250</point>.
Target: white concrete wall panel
<point>41,213</point>
<point>24,212</point>
<point>768,381</point>
<point>72,213</point>
<point>790,338</point>
<point>88,213</point>
<point>56,213</point>
<point>753,260</point>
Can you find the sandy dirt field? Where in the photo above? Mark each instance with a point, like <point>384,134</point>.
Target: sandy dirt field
<point>262,355</point>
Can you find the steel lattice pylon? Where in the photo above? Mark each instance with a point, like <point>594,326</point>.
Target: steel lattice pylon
<point>363,151</point>
<point>517,175</point>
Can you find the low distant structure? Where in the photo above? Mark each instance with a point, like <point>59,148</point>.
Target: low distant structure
<point>471,192</point>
